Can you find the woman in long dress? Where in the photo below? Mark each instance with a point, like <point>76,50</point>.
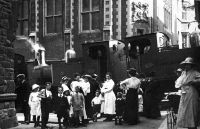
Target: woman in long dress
<point>109,97</point>
<point>188,106</point>
<point>131,84</point>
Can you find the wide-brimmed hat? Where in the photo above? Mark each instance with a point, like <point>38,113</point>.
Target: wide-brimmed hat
<point>87,76</point>
<point>188,60</point>
<point>65,78</point>
<point>94,75</point>
<point>132,71</point>
<point>34,86</point>
<point>20,75</point>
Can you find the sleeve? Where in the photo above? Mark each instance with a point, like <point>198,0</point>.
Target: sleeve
<point>72,101</point>
<point>178,82</point>
<point>30,99</point>
<point>82,98</point>
<point>123,84</point>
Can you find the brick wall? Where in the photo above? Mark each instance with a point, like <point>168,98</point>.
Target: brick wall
<point>7,85</point>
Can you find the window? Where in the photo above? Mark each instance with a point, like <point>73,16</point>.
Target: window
<point>53,16</point>
<point>140,31</point>
<point>90,15</point>
<point>23,18</point>
<point>32,15</point>
<point>167,20</point>
<point>106,35</point>
<point>67,13</point>
<point>184,15</point>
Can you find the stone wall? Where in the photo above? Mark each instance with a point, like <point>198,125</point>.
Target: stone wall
<point>7,86</point>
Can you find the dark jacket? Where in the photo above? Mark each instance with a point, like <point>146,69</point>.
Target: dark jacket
<point>61,106</point>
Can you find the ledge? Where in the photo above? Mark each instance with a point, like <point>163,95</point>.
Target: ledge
<point>7,97</point>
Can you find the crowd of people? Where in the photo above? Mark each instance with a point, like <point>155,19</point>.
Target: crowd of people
<point>83,98</point>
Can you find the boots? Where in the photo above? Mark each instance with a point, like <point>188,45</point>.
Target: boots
<point>120,121</point>
<point>38,121</point>
<point>34,120</point>
<point>116,120</point>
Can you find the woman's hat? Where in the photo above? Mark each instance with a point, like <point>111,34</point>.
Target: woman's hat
<point>94,75</point>
<point>21,76</point>
<point>188,60</point>
<point>132,71</point>
<point>87,76</point>
<point>65,78</point>
<point>35,86</point>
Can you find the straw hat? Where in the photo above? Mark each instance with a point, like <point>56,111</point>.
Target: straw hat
<point>35,86</point>
<point>65,78</point>
<point>132,71</point>
<point>21,76</point>
<point>94,75</point>
<point>188,60</point>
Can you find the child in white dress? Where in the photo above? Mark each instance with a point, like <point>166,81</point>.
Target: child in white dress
<point>34,103</point>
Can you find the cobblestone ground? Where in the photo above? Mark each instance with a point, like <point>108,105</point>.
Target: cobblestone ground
<point>144,124</point>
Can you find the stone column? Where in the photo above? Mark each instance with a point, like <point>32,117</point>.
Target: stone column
<point>7,86</point>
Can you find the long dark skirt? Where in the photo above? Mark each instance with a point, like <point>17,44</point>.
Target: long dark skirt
<point>131,108</point>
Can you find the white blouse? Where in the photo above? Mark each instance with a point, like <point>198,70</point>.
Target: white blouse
<point>131,82</point>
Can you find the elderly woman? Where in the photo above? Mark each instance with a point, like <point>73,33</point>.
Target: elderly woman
<point>109,97</point>
<point>131,84</point>
<point>188,106</point>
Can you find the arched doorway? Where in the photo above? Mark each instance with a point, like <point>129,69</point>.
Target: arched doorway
<point>19,68</point>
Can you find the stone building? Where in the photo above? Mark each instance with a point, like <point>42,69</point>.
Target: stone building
<point>7,86</point>
<point>60,25</point>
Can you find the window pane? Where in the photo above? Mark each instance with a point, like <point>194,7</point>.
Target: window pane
<point>58,24</point>
<point>18,28</point>
<point>25,9</point>
<point>32,15</point>
<point>67,41</point>
<point>58,6</point>
<point>85,21</point>
<point>86,5</point>
<point>95,4</point>
<point>49,4</point>
<point>67,13</point>
<point>95,20</point>
<point>20,10</point>
<point>49,24</point>
<point>25,27</point>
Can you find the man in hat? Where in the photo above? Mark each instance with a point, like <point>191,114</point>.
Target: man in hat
<point>132,85</point>
<point>23,90</point>
<point>189,101</point>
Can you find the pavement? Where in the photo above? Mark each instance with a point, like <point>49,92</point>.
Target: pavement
<point>144,123</point>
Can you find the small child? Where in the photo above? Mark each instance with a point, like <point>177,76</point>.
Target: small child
<point>120,102</point>
<point>96,104</point>
<point>69,98</point>
<point>34,103</point>
<point>62,107</point>
<point>77,104</point>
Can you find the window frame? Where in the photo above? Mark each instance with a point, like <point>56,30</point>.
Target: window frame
<point>22,19</point>
<point>70,15</point>
<point>90,17</point>
<point>53,15</point>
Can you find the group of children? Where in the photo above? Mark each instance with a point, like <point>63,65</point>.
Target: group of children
<point>68,106</point>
